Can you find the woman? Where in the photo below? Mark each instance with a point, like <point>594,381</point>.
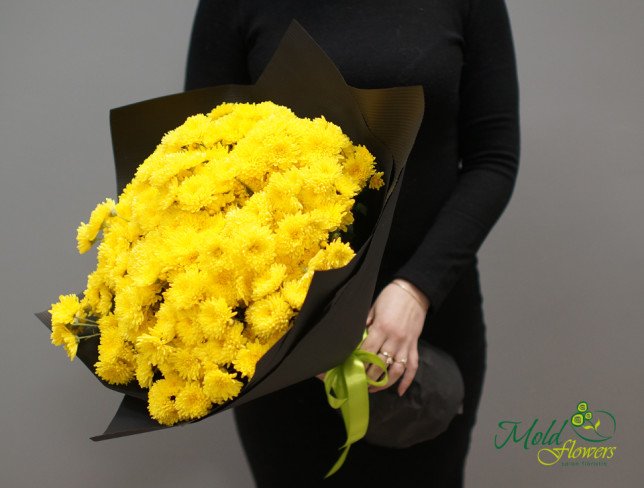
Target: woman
<point>459,179</point>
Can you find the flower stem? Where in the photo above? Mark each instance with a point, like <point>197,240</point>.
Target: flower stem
<point>88,336</point>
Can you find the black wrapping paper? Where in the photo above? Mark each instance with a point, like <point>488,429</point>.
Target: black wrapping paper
<point>425,410</point>
<point>332,319</point>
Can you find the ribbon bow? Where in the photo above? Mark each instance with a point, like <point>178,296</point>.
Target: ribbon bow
<point>347,388</point>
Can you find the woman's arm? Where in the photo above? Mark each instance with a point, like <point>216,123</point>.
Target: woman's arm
<point>489,147</point>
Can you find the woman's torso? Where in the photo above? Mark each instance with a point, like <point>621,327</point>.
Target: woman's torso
<point>379,43</point>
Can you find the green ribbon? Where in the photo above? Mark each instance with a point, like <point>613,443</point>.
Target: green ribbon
<point>347,388</point>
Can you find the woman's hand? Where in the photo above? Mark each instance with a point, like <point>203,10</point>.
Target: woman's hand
<point>394,324</point>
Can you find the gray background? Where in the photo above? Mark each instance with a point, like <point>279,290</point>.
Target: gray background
<point>562,272</point>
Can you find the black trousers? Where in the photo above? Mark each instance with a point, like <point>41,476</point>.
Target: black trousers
<point>291,437</point>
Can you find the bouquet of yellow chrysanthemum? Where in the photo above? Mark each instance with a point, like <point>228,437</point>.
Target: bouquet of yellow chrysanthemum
<point>242,254</point>
<point>209,252</point>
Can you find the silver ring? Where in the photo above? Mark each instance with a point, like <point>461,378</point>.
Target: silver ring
<point>389,360</point>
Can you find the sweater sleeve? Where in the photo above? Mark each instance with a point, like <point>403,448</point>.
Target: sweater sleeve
<point>489,148</point>
<point>217,52</point>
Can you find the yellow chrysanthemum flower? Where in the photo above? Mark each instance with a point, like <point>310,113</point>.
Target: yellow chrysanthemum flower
<point>188,331</point>
<point>186,364</point>
<point>236,338</point>
<point>280,198</point>
<point>144,372</point>
<point>294,291</point>
<point>161,400</point>
<point>186,288</point>
<point>218,284</point>
<point>97,295</point>
<point>221,110</point>
<point>65,310</point>
<point>192,402</point>
<point>321,137</point>
<point>247,358</point>
<point>328,218</point>
<point>270,315</point>
<point>194,193</point>
<point>376,182</point>
<point>220,386</point>
<point>165,326</point>
<point>253,246</point>
<point>86,233</point>
<point>295,233</point>
<point>107,322</point>
<point>214,317</point>
<point>212,353</point>
<point>188,135</point>
<point>62,336</point>
<point>129,306</point>
<point>257,210</point>
<point>321,174</point>
<point>360,165</point>
<point>269,281</point>
<point>153,349</point>
<point>101,213</point>
<point>111,339</point>
<point>346,186</point>
<point>142,268</point>
<point>117,365</point>
<point>334,255</point>
<point>84,241</point>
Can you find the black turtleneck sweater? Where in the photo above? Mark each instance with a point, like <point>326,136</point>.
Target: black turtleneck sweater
<point>462,170</point>
<point>458,180</point>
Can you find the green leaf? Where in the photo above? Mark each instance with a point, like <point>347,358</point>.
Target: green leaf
<point>587,427</point>
<point>597,424</point>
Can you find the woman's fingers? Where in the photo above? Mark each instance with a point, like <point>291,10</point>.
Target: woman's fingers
<point>395,371</point>
<point>372,343</point>
<point>391,352</point>
<point>373,371</point>
<point>410,370</point>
